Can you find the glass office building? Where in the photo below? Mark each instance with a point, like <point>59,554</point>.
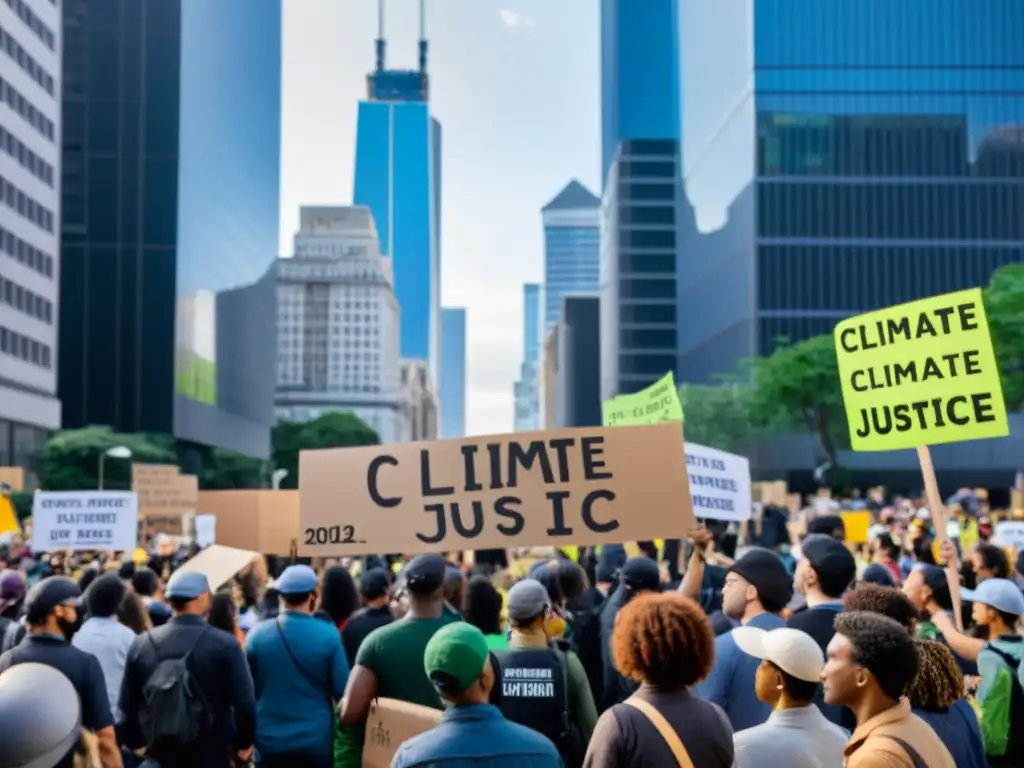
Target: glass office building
<point>526,390</point>
<point>846,156</point>
<point>453,372</point>
<point>572,234</point>
<point>170,184</point>
<point>398,176</point>
<point>640,133</point>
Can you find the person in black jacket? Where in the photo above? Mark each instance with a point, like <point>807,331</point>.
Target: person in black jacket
<point>638,576</point>
<point>215,663</point>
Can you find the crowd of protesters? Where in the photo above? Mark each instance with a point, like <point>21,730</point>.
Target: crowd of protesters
<point>799,650</point>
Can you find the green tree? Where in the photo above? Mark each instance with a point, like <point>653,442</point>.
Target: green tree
<point>718,416</point>
<point>225,470</point>
<point>71,458</point>
<point>339,429</point>
<point>1004,306</point>
<point>798,388</point>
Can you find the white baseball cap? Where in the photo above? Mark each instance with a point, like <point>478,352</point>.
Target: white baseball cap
<point>794,652</point>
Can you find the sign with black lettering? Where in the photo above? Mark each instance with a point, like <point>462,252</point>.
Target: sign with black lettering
<point>719,483</point>
<point>922,373</point>
<point>84,520</point>
<point>573,486</point>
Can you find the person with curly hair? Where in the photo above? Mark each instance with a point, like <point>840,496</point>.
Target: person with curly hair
<point>887,601</point>
<point>871,662</point>
<point>937,696</point>
<point>665,643</point>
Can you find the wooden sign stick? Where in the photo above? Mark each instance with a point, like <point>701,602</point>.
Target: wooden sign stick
<point>939,517</point>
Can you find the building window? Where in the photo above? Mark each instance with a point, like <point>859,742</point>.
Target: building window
<point>21,57</point>
<point>25,157</point>
<point>25,205</point>
<point>24,348</point>
<point>16,101</point>
<point>24,300</point>
<point>33,22</point>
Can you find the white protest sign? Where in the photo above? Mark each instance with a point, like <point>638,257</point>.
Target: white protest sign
<point>84,520</point>
<point>719,483</point>
<point>1010,533</point>
<point>206,530</point>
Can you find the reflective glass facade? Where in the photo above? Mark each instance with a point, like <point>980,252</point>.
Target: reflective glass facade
<point>849,155</point>
<point>527,389</point>
<point>170,206</point>
<point>571,265</point>
<point>453,372</point>
<point>398,176</point>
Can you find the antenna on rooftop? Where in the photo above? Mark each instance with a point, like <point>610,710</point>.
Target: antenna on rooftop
<point>381,44</point>
<point>423,36</point>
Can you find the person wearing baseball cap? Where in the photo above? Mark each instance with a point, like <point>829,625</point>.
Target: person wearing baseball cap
<point>757,588</point>
<point>374,586</point>
<point>299,669</point>
<point>50,612</point>
<point>389,662</point>
<point>459,666</point>
<point>639,575</point>
<point>796,734</point>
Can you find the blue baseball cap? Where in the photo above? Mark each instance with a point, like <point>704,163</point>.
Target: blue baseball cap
<point>186,585</point>
<point>296,580</point>
<point>1002,594</point>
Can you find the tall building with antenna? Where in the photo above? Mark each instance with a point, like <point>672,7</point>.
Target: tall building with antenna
<point>398,177</point>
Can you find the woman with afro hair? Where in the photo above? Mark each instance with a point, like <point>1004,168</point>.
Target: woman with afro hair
<point>665,643</point>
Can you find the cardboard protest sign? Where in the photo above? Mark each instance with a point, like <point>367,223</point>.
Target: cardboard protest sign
<point>719,483</point>
<point>920,374</point>
<point>163,490</point>
<point>84,520</point>
<point>391,722</point>
<point>572,486</point>
<point>219,563</point>
<point>656,404</point>
<point>13,477</point>
<point>266,521</point>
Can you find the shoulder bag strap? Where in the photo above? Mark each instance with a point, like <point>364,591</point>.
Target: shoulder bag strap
<point>563,663</point>
<point>317,684</point>
<point>667,732</point>
<point>912,753</point>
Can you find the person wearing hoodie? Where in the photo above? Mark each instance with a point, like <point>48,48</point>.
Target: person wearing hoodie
<point>639,575</point>
<point>12,596</point>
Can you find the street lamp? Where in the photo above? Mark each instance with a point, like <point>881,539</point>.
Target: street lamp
<point>277,477</point>
<point>117,452</point>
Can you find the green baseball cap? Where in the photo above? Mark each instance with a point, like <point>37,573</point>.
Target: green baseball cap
<point>455,657</point>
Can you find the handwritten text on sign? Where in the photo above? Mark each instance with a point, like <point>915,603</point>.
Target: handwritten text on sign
<point>656,404</point>
<point>579,486</point>
<point>719,483</point>
<point>84,520</point>
<point>921,373</point>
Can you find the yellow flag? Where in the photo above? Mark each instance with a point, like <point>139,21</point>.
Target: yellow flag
<point>8,520</point>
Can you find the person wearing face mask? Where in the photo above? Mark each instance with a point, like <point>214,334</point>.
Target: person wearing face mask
<point>50,614</point>
<point>543,683</point>
<point>299,670</point>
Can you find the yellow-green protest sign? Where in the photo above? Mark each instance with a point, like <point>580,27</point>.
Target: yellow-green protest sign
<point>656,404</point>
<point>920,374</point>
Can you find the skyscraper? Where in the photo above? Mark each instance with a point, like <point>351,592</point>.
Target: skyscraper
<point>30,92</point>
<point>453,372</point>
<point>337,323</point>
<point>398,177</point>
<point>171,141</point>
<point>527,389</point>
<point>572,246</point>
<point>640,150</point>
<point>846,156</point>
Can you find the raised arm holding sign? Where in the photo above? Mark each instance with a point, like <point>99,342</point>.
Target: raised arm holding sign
<point>920,374</point>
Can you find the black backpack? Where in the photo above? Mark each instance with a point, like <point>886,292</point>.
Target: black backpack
<point>174,707</point>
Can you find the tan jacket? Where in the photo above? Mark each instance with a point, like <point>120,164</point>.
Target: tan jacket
<point>869,747</point>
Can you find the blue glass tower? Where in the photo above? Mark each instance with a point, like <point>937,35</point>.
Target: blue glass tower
<point>527,388</point>
<point>860,153</point>
<point>453,372</point>
<point>572,237</point>
<point>640,149</point>
<point>398,176</point>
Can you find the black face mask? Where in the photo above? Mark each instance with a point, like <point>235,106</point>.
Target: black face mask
<point>67,628</point>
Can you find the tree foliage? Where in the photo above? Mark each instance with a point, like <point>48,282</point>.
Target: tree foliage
<point>797,388</point>
<point>71,458</point>
<point>1004,306</point>
<point>718,416</point>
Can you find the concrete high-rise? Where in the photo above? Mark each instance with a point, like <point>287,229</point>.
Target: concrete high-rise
<point>526,390</point>
<point>169,218</point>
<point>398,177</point>
<point>846,156</point>
<point>640,154</point>
<point>452,394</point>
<point>30,128</point>
<point>337,323</point>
